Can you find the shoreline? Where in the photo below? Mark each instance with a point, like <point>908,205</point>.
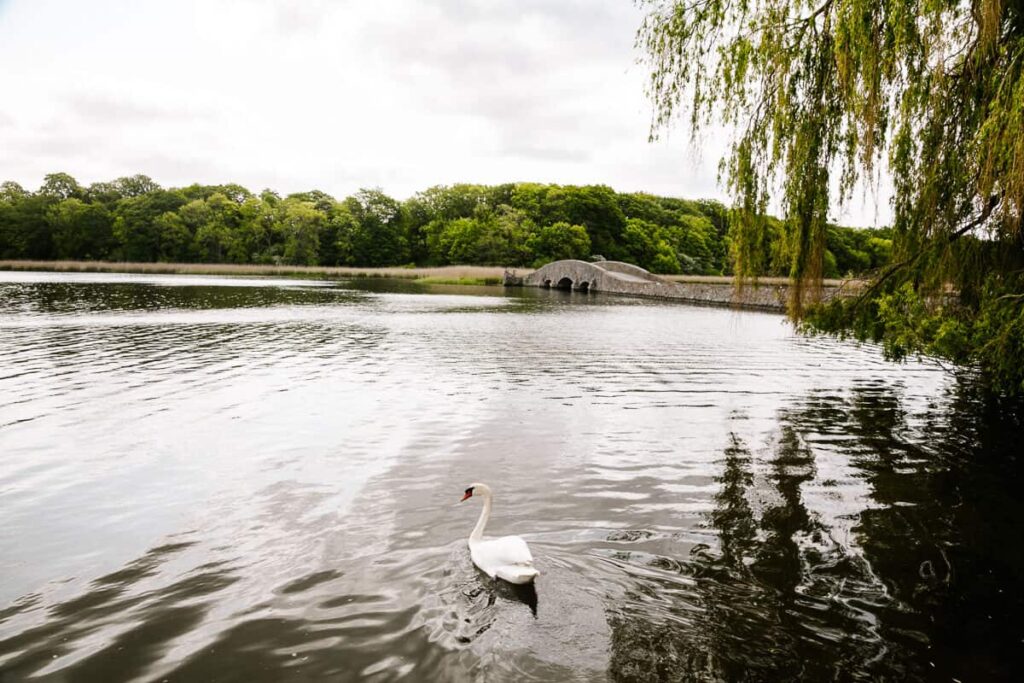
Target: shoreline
<point>767,294</point>
<point>450,274</point>
<point>331,272</point>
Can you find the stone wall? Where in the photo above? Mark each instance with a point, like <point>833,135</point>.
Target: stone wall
<point>767,297</point>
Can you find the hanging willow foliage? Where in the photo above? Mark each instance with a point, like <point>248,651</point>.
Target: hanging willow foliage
<point>826,95</point>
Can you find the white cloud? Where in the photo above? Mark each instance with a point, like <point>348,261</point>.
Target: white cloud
<point>336,94</point>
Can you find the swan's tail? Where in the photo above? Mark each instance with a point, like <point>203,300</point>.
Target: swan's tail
<point>517,573</point>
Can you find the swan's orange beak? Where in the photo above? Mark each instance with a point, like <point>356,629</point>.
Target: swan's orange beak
<point>468,494</point>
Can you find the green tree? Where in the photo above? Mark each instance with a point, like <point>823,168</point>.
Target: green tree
<point>321,201</point>
<point>135,226</point>
<point>559,241</point>
<point>135,186</point>
<point>25,229</point>
<point>596,208</point>
<point>301,223</point>
<point>345,227</point>
<point>490,238</point>
<point>60,186</point>
<point>507,240</point>
<point>847,249</point>
<point>213,242</point>
<point>428,212</point>
<point>377,236</point>
<point>257,228</point>
<point>695,241</point>
<point>880,251</point>
<point>80,230</point>
<point>214,222</point>
<point>11,192</point>
<point>175,238</point>
<point>460,239</point>
<point>935,89</point>
<point>11,238</point>
<point>639,242</point>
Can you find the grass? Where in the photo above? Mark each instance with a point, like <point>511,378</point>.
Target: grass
<point>479,281</point>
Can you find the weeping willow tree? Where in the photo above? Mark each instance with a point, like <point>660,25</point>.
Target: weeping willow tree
<point>831,95</point>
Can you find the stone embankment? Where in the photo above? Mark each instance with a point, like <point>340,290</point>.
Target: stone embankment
<point>614,277</point>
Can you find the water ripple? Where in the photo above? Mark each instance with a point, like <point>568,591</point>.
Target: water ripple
<point>248,479</point>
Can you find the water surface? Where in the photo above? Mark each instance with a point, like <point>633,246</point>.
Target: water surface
<point>253,479</point>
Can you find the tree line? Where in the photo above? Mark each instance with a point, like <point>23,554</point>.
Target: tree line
<point>514,224</point>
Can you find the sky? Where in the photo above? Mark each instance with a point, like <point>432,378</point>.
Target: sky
<point>342,94</point>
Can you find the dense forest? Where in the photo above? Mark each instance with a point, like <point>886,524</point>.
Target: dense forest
<point>516,224</point>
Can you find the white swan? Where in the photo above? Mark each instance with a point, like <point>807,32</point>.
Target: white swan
<point>508,557</point>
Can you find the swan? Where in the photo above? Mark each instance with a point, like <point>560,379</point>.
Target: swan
<point>507,557</point>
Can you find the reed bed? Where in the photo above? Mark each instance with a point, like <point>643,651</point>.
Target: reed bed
<point>454,274</point>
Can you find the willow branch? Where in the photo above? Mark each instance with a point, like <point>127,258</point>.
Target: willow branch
<point>993,201</point>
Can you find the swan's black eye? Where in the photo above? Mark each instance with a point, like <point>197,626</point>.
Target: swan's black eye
<point>469,491</point>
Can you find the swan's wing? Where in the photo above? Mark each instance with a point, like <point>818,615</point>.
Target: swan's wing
<point>495,552</point>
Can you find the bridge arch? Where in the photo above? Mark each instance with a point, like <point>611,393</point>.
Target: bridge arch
<point>610,277</point>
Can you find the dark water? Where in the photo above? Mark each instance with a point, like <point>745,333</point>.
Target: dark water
<point>252,480</point>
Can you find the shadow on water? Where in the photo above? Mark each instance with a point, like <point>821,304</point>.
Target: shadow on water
<point>923,580</point>
<point>160,617</point>
<point>526,594</point>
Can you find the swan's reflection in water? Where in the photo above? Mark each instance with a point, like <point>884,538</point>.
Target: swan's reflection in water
<point>489,591</point>
<point>525,593</point>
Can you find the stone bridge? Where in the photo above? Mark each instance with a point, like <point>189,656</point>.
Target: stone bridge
<point>615,277</point>
<point>605,276</point>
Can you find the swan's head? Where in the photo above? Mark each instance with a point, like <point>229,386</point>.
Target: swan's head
<point>478,489</point>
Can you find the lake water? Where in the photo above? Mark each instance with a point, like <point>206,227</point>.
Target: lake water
<point>258,480</point>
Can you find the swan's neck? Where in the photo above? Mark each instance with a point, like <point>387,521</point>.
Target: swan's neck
<point>485,514</point>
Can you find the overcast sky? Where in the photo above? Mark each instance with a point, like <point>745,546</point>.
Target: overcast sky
<point>338,95</point>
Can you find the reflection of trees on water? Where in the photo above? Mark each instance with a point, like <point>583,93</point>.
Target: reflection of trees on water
<point>945,538</point>
<point>756,594</point>
<point>79,297</point>
<point>917,592</point>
